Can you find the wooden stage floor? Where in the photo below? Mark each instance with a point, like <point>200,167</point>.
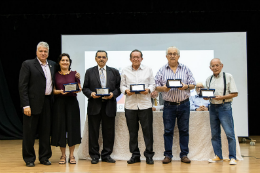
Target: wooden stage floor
<point>11,161</point>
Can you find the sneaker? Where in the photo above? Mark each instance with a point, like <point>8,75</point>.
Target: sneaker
<point>233,161</point>
<point>215,159</point>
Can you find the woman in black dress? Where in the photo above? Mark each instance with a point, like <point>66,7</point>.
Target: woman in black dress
<point>66,115</point>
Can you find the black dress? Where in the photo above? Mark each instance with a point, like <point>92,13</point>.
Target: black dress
<point>66,114</point>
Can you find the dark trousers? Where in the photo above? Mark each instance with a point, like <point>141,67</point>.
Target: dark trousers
<point>146,119</point>
<point>41,124</point>
<point>108,133</point>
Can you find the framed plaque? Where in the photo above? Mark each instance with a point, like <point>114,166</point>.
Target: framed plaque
<point>137,88</point>
<point>207,93</point>
<point>102,92</point>
<point>71,87</point>
<point>174,83</point>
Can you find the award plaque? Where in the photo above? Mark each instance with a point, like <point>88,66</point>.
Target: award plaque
<point>137,88</point>
<point>207,93</point>
<point>102,92</point>
<point>174,83</point>
<point>71,87</point>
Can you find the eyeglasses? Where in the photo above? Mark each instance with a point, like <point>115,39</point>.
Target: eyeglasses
<point>136,57</point>
<point>217,65</point>
<point>103,57</point>
<point>172,54</point>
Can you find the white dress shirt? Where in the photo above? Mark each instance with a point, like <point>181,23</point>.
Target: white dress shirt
<point>143,75</point>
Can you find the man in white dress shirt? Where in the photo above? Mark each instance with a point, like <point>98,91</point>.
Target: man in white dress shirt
<point>138,107</point>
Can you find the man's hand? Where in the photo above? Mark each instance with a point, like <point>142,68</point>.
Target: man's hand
<point>202,108</point>
<point>153,108</point>
<point>77,75</point>
<point>129,93</point>
<point>184,87</point>
<point>93,94</point>
<point>205,108</point>
<point>145,92</point>
<point>218,98</point>
<point>199,109</point>
<point>206,98</point>
<point>109,97</point>
<point>27,111</point>
<point>165,88</point>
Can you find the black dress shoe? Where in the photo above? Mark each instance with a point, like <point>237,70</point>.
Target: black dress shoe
<point>149,160</point>
<point>133,160</point>
<point>109,160</point>
<point>45,162</point>
<point>94,160</point>
<point>30,164</point>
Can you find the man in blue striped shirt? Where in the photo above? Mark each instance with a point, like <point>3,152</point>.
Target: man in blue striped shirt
<point>176,103</point>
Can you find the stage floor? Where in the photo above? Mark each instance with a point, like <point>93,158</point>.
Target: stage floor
<point>11,161</point>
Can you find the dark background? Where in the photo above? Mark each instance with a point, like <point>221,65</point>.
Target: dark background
<point>24,24</point>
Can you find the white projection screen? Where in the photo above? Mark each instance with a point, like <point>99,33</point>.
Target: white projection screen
<point>196,51</point>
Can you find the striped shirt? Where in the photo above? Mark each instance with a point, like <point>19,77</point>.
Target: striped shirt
<point>183,73</point>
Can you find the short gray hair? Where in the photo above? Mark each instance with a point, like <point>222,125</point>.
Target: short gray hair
<point>173,47</point>
<point>43,44</point>
<point>213,59</point>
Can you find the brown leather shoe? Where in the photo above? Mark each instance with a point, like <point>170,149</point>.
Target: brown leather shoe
<point>185,159</point>
<point>166,160</point>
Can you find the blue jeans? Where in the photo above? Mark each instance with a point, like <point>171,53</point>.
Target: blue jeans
<point>182,113</point>
<point>222,114</point>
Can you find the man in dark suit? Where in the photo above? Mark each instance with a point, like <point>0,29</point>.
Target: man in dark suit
<point>35,88</point>
<point>101,109</point>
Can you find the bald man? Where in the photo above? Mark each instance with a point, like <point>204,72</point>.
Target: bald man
<point>220,110</point>
<point>197,103</point>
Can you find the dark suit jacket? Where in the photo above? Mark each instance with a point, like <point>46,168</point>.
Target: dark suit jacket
<point>32,84</point>
<point>92,81</point>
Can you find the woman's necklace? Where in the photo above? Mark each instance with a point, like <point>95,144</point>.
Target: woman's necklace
<point>64,73</point>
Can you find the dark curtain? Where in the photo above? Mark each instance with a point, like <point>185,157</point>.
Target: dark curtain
<point>10,123</point>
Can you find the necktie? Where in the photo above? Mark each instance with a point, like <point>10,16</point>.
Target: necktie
<point>102,78</point>
<point>155,102</point>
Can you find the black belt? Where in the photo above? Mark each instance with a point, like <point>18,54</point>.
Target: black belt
<point>177,103</point>
<point>104,100</point>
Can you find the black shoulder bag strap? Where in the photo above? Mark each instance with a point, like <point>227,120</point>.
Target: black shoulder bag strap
<point>224,79</point>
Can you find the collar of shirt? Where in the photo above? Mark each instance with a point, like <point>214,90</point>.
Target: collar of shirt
<point>179,65</point>
<point>42,63</point>
<point>105,67</point>
<point>219,75</point>
<point>141,67</point>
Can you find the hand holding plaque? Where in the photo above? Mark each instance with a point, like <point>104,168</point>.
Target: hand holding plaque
<point>71,87</point>
<point>102,92</point>
<point>207,93</point>
<point>174,83</point>
<point>137,88</point>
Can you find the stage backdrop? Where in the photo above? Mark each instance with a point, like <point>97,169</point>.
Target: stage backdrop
<point>196,51</point>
